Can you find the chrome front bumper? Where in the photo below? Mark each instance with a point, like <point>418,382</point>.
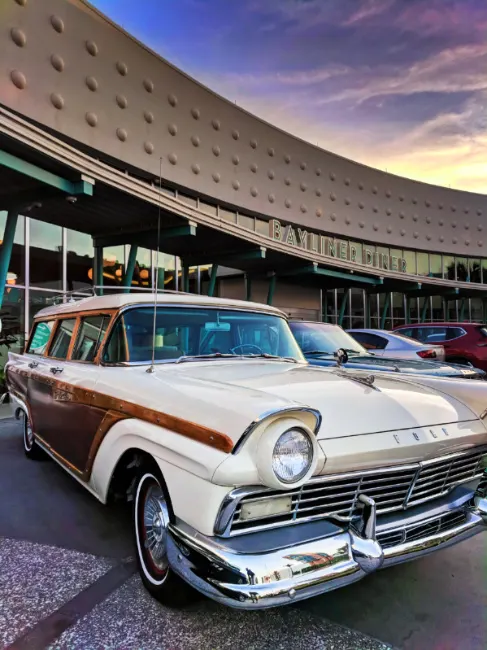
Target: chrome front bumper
<point>279,576</point>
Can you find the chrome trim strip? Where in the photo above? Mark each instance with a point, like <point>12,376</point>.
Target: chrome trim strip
<point>277,411</point>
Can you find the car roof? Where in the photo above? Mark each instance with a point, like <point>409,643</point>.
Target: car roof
<point>313,322</point>
<point>441,324</point>
<point>118,300</point>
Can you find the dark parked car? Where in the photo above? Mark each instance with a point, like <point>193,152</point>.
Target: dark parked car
<point>463,342</point>
<point>320,341</point>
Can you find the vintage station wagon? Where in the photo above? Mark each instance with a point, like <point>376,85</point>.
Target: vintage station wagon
<point>254,478</point>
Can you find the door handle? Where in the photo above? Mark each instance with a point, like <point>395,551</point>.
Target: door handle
<point>33,364</point>
<point>55,369</point>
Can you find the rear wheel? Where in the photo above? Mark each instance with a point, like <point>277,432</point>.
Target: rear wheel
<point>151,521</point>
<point>31,448</point>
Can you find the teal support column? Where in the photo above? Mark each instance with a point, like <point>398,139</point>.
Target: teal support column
<point>214,271</point>
<point>484,310</point>
<point>385,310</point>
<point>129,271</point>
<point>185,279</point>
<point>6,250</point>
<point>98,271</point>
<point>248,288</point>
<point>462,310</point>
<point>325,307</point>
<point>161,276</point>
<point>271,290</point>
<point>424,310</point>
<point>445,309</point>
<point>343,307</point>
<point>367,310</point>
<point>407,304</point>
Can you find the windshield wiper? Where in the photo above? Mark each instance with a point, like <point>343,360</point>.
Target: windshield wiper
<point>318,352</point>
<point>225,355</point>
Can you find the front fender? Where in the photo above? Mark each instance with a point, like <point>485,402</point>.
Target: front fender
<point>187,467</point>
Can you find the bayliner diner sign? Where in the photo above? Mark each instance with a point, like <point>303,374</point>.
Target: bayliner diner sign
<point>331,247</point>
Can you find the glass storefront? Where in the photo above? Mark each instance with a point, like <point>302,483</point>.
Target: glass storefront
<point>48,261</point>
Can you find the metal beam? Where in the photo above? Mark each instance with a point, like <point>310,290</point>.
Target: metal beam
<point>129,271</point>
<point>385,310</point>
<point>211,287</point>
<point>397,287</point>
<point>227,259</point>
<point>434,290</point>
<point>424,310</point>
<point>343,307</point>
<point>84,186</point>
<point>145,238</point>
<point>6,250</point>
<point>314,269</point>
<point>98,270</point>
<point>272,288</point>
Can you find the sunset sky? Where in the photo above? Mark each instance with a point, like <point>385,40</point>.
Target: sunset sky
<point>396,84</point>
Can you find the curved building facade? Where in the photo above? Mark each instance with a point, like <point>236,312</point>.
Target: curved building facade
<point>106,151</point>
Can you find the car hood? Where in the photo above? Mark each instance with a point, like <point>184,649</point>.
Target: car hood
<point>391,364</point>
<point>229,395</point>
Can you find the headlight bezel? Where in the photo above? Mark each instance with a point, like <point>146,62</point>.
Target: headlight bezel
<point>264,453</point>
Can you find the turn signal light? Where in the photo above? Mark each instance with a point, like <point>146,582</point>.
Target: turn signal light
<point>427,354</point>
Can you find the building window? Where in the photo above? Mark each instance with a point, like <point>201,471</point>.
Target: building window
<point>436,270</point>
<point>45,255</point>
<point>422,261</point>
<point>79,260</point>
<point>12,336</point>
<point>462,269</point>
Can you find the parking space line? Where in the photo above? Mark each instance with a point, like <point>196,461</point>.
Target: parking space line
<point>43,633</point>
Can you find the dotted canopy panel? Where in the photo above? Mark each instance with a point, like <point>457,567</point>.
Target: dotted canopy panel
<point>66,66</point>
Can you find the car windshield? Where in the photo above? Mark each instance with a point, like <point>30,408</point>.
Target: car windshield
<point>192,332</point>
<point>325,339</point>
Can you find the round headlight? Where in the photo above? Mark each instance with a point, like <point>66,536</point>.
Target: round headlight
<point>292,456</point>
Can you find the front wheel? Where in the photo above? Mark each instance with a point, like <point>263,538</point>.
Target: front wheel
<point>31,448</point>
<point>151,520</point>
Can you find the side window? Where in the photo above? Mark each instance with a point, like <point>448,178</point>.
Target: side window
<point>116,347</point>
<point>370,341</point>
<point>91,334</point>
<point>434,334</point>
<point>407,332</point>
<point>62,338</point>
<point>454,332</point>
<point>40,337</point>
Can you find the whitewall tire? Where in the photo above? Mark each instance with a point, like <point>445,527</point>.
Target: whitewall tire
<point>150,524</point>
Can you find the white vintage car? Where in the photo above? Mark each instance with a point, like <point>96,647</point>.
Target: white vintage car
<point>255,478</point>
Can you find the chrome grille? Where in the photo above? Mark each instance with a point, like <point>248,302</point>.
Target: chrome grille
<point>438,477</point>
<point>424,529</point>
<point>392,488</point>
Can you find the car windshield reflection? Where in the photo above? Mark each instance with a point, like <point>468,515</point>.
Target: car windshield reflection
<point>319,338</point>
<point>192,333</point>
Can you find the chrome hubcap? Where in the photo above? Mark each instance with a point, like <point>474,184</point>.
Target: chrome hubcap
<point>155,524</point>
<point>29,434</point>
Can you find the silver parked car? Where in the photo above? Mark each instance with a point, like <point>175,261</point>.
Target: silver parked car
<point>392,344</point>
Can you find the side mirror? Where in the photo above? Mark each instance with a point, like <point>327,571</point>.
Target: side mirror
<point>341,356</point>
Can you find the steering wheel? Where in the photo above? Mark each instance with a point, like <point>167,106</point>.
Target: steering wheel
<point>246,345</point>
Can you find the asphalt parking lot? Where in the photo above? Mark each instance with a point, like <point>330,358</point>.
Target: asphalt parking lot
<point>68,581</point>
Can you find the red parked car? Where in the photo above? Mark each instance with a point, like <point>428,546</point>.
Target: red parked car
<point>463,342</point>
